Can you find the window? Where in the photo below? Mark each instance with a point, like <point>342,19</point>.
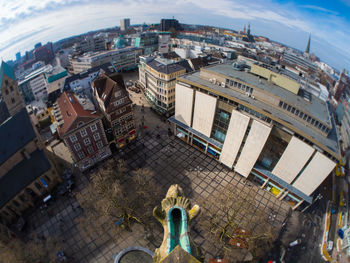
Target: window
<point>99,144</point>
<point>83,133</point>
<point>117,93</point>
<point>122,110</point>
<point>77,146</point>
<point>13,100</point>
<point>73,138</point>
<point>38,186</point>
<point>90,150</point>
<point>81,155</point>
<point>93,127</point>
<point>15,203</point>
<point>11,88</point>
<point>96,136</point>
<point>6,91</point>
<point>87,141</point>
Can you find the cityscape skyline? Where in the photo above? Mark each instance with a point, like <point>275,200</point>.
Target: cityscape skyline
<point>24,24</point>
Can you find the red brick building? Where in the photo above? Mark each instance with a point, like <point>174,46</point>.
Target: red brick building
<point>80,126</point>
<point>114,102</point>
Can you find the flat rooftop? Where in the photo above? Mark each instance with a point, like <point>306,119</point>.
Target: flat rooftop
<point>100,54</point>
<point>329,142</point>
<point>315,107</point>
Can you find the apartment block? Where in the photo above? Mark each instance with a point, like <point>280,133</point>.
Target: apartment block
<point>114,102</point>
<point>157,76</point>
<point>122,59</point>
<point>124,24</point>
<point>80,126</point>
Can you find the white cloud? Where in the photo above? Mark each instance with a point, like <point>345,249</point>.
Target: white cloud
<point>63,18</point>
<point>318,8</point>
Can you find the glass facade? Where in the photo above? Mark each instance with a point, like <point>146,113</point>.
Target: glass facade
<point>273,148</point>
<point>220,126</point>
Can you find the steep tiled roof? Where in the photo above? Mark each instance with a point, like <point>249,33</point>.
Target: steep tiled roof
<point>15,132</point>
<point>7,70</point>
<point>106,86</point>
<point>22,175</point>
<point>73,113</point>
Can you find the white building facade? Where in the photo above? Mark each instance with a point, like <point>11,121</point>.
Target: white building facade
<point>235,117</point>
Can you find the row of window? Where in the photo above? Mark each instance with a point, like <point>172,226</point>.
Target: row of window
<point>254,113</point>
<point>124,128</point>
<point>90,150</point>
<point>119,102</point>
<point>83,133</point>
<point>87,142</point>
<point>6,90</point>
<point>304,116</point>
<point>239,85</point>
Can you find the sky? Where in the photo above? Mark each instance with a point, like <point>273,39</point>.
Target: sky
<point>26,22</point>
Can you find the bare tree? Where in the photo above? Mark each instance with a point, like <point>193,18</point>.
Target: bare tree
<point>118,197</point>
<point>35,250</point>
<point>234,223</point>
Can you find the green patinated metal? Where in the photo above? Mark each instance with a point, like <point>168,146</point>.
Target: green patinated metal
<point>177,230</point>
<point>175,214</point>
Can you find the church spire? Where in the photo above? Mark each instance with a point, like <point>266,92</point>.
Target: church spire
<point>307,50</point>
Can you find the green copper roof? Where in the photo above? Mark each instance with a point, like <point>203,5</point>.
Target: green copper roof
<point>7,70</point>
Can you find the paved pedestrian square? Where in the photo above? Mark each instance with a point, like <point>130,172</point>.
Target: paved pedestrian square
<point>172,162</point>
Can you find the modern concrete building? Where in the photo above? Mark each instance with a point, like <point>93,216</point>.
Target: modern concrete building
<point>11,100</point>
<point>167,24</point>
<point>80,126</point>
<point>157,76</point>
<point>35,85</point>
<point>90,44</point>
<point>81,82</point>
<point>341,88</point>
<point>122,59</point>
<point>263,131</point>
<point>342,113</point>
<point>26,173</point>
<point>299,61</point>
<point>148,41</point>
<point>124,24</point>
<point>114,102</point>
